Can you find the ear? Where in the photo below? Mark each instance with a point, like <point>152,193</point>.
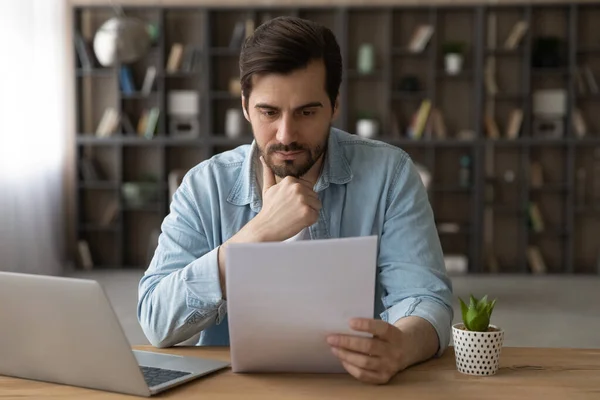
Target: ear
<point>244,108</point>
<point>336,109</point>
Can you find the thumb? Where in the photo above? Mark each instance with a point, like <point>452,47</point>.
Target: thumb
<point>268,175</point>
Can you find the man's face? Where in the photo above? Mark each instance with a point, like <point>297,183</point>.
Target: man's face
<point>290,117</point>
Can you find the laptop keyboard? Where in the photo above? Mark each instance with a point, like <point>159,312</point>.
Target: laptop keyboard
<point>157,376</point>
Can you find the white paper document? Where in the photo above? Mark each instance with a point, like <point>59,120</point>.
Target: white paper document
<point>284,298</point>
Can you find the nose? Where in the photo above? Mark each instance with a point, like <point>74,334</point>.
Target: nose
<point>286,131</point>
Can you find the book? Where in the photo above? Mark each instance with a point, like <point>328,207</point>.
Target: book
<point>89,171</point>
<point>110,213</point>
<point>420,38</point>
<point>514,123</point>
<point>84,54</point>
<point>191,59</point>
<point>579,125</point>
<point>187,58</point>
<point>149,79</point>
<point>491,127</point>
<point>536,260</point>
<point>126,124</point>
<point>142,123</point>
<point>151,123</point>
<point>516,34</point>
<point>535,218</point>
<point>126,80</point>
<point>85,255</point>
<point>490,80</point>
<point>420,120</point>
<point>109,122</point>
<point>174,61</point>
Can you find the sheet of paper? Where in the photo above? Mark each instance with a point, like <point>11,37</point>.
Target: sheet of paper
<point>283,299</point>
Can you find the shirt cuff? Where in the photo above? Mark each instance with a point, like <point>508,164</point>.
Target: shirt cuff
<point>436,314</point>
<point>203,286</point>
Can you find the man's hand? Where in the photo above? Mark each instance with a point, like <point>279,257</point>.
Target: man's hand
<point>392,348</point>
<point>371,359</point>
<point>288,207</point>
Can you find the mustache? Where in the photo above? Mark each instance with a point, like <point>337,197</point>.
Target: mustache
<point>288,147</point>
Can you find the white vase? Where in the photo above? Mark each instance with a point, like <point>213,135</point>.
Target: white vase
<point>367,128</point>
<point>234,123</point>
<point>453,63</point>
<point>477,353</point>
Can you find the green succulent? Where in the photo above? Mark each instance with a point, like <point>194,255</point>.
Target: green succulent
<point>476,316</point>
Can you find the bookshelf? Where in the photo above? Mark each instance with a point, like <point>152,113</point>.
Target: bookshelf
<point>483,187</point>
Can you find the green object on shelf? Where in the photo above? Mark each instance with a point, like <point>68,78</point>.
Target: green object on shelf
<point>153,32</point>
<point>366,59</point>
<point>139,194</point>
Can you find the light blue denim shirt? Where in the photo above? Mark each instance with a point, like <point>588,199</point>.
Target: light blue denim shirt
<point>366,188</point>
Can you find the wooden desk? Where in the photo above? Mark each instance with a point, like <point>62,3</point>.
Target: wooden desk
<point>524,373</point>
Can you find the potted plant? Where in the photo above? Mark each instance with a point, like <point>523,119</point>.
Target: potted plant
<point>367,124</point>
<point>477,344</point>
<point>453,57</point>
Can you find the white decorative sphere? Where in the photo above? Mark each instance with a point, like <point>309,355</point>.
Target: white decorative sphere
<point>367,128</point>
<point>121,40</point>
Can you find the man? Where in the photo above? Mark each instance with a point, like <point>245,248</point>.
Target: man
<point>301,179</point>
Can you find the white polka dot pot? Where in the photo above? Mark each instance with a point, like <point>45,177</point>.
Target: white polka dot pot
<point>477,353</point>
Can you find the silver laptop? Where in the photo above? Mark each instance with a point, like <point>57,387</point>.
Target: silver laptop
<point>64,330</point>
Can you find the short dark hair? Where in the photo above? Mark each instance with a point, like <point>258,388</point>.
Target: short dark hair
<point>284,44</point>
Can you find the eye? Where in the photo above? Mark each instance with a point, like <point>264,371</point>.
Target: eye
<point>269,113</point>
<point>308,113</point>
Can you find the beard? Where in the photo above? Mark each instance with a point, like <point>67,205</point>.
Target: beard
<point>298,167</point>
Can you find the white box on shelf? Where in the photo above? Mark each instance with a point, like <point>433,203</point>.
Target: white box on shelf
<point>549,127</point>
<point>548,102</point>
<point>183,102</point>
<point>184,126</point>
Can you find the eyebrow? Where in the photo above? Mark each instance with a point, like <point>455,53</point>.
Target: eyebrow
<point>307,105</point>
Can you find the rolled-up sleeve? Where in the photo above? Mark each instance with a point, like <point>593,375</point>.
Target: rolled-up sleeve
<point>433,312</point>
<point>180,293</point>
<point>411,263</point>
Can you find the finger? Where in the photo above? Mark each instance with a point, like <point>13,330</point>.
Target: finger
<point>268,175</point>
<point>307,183</point>
<point>377,328</point>
<point>313,203</point>
<point>304,182</point>
<point>358,344</point>
<point>370,363</point>
<point>301,189</point>
<point>364,375</point>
